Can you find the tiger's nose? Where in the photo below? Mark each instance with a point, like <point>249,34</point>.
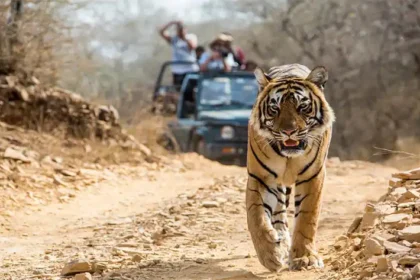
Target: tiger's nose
<point>289,131</point>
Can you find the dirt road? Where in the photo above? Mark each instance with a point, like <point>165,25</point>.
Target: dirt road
<point>179,223</point>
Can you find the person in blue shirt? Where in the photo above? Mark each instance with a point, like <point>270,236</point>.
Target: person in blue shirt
<point>183,49</point>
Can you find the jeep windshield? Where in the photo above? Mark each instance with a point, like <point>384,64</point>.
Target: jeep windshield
<point>228,92</point>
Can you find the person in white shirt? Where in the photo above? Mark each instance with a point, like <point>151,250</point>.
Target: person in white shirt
<point>218,58</point>
<point>183,49</point>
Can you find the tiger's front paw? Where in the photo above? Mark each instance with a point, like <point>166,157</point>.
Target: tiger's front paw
<point>308,260</point>
<point>273,252</point>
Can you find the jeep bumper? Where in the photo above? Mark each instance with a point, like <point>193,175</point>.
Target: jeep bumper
<point>226,152</point>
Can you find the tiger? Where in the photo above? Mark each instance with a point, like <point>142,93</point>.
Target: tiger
<point>289,134</point>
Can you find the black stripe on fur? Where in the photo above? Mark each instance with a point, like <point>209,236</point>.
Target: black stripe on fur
<point>311,178</point>
<point>262,164</point>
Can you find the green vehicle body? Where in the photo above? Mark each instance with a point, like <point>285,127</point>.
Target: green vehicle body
<point>213,113</point>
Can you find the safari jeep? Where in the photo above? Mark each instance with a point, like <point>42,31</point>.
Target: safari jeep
<point>212,115</point>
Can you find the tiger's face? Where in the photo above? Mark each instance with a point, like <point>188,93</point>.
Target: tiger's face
<point>292,113</point>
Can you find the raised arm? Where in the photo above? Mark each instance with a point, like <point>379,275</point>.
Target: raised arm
<point>163,31</point>
<point>190,39</point>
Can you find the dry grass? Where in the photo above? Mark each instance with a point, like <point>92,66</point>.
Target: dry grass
<point>147,128</point>
<point>407,156</point>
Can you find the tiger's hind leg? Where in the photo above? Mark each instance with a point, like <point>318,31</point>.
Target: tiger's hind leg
<point>267,224</point>
<point>307,209</point>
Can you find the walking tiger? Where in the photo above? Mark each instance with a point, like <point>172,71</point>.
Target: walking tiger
<point>289,136</point>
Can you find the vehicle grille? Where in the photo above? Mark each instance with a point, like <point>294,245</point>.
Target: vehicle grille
<point>241,133</point>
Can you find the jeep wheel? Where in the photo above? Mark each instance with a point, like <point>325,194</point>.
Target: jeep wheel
<point>200,147</point>
<point>167,141</point>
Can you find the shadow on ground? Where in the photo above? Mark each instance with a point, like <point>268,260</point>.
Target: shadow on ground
<point>205,269</point>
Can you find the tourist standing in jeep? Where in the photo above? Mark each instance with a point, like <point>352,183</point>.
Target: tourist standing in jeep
<point>183,49</point>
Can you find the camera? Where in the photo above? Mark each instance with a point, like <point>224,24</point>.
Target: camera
<point>223,52</point>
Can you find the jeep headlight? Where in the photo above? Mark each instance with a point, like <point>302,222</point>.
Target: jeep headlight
<point>162,91</point>
<point>227,132</point>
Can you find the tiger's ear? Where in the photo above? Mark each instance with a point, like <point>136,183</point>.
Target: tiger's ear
<point>262,78</point>
<point>318,76</point>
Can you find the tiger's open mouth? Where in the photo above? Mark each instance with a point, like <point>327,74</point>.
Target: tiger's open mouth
<point>290,143</point>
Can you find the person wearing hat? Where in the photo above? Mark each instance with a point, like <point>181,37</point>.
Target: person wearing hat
<point>238,54</point>
<point>219,57</point>
<point>183,49</point>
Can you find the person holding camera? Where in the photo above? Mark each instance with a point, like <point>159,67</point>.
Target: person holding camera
<point>183,49</point>
<point>238,54</point>
<point>219,58</point>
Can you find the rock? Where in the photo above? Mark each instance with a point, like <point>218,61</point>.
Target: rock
<point>395,218</point>
<point>11,153</point>
<point>415,251</point>
<point>212,245</point>
<point>373,247</point>
<point>356,243</point>
<point>396,183</point>
<point>385,209</point>
<point>354,225</point>
<point>127,251</point>
<point>76,267</point>
<point>409,196</point>
<point>145,150</point>
<point>176,209</point>
<point>370,219</point>
<point>11,81</point>
<point>411,233</point>
<point>370,208</point>
<point>22,93</point>
<point>58,181</point>
<point>409,260</point>
<point>35,80</point>
<point>382,265</point>
<point>406,205</point>
<point>405,243</point>
<point>413,174</point>
<point>393,247</point>
<point>210,204</point>
<point>99,267</point>
<point>365,273</point>
<point>83,276</point>
<point>119,221</point>
<point>88,148</point>
<point>137,258</point>
<point>399,191</point>
<point>398,221</point>
<point>383,235</point>
<point>415,271</point>
<point>341,242</point>
<point>68,173</point>
<point>58,160</point>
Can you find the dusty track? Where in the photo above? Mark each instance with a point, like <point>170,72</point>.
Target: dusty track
<point>160,217</point>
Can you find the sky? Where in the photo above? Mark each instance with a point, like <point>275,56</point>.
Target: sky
<point>181,9</point>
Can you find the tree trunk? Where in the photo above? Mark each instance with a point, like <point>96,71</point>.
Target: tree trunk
<point>12,33</point>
